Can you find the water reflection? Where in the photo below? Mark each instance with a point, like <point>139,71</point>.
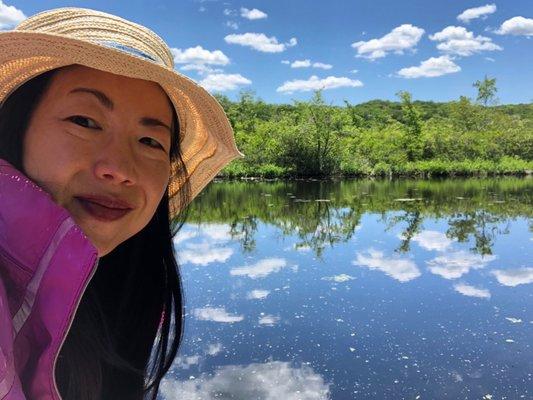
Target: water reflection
<point>270,381</point>
<point>514,277</point>
<point>363,289</point>
<point>475,210</point>
<point>401,269</point>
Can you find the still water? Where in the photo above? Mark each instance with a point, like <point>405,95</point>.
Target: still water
<point>357,290</point>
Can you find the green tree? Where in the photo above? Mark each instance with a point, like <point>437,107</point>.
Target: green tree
<point>413,126</point>
<point>464,115</point>
<point>357,120</point>
<point>246,111</point>
<point>486,91</point>
<point>311,141</point>
<point>326,126</point>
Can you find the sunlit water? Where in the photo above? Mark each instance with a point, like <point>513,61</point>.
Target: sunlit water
<point>357,290</point>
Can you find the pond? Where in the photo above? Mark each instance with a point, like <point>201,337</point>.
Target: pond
<point>358,289</point>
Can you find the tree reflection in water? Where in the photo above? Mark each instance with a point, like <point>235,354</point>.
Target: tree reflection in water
<point>324,213</point>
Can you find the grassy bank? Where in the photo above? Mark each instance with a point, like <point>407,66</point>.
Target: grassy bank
<point>422,169</point>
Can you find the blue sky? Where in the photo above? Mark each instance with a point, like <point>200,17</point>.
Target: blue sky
<point>355,50</point>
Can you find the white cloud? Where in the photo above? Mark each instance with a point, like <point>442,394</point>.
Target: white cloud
<point>301,64</point>
<point>223,82</point>
<point>203,254</point>
<point>455,265</point>
<point>232,25</point>
<point>432,240</point>
<point>10,16</point>
<point>269,320</point>
<point>267,381</point>
<point>216,232</point>
<point>430,68</point>
<point>457,40</point>
<point>252,14</point>
<point>258,294</point>
<point>472,13</point>
<point>338,278</point>
<point>201,69</point>
<point>185,362</point>
<point>307,63</point>
<point>216,315</point>
<point>514,277</point>
<point>401,269</point>
<point>322,65</point>
<point>199,55</point>
<point>354,71</point>
<point>207,247</point>
<point>261,268</point>
<point>517,26</point>
<point>287,62</point>
<point>260,42</point>
<point>214,348</point>
<point>314,83</point>
<point>471,291</point>
<point>184,235</point>
<point>401,38</point>
<point>227,12</point>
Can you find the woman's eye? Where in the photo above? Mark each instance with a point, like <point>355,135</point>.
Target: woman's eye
<point>153,143</point>
<point>82,121</point>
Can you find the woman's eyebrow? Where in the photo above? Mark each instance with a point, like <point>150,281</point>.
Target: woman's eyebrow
<point>148,121</point>
<point>102,97</point>
<point>108,103</point>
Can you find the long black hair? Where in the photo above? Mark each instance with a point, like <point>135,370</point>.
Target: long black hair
<point>128,326</point>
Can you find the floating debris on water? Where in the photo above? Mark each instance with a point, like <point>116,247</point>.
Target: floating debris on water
<point>409,199</point>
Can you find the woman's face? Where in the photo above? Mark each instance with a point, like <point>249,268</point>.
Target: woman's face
<point>96,134</point>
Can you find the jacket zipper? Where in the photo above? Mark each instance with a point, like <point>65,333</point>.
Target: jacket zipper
<point>95,265</point>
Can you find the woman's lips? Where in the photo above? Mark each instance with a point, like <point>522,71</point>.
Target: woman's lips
<point>101,212</point>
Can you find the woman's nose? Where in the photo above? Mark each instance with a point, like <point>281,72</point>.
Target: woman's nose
<point>116,164</point>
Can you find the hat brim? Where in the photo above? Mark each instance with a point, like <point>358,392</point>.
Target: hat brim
<point>206,137</point>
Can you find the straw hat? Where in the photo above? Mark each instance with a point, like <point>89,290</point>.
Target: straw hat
<point>95,39</point>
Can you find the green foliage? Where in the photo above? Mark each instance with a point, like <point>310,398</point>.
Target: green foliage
<point>380,138</point>
<point>486,91</point>
<point>412,126</point>
<point>272,171</point>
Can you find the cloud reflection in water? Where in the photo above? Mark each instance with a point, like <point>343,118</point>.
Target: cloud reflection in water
<point>401,269</point>
<point>273,380</point>
<point>514,277</point>
<point>260,269</point>
<point>455,265</point>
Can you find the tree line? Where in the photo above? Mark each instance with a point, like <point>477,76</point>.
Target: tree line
<point>381,138</point>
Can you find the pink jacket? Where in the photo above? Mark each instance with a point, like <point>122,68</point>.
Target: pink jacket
<point>46,262</point>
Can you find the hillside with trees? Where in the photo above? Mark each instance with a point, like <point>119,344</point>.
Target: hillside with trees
<point>381,138</point>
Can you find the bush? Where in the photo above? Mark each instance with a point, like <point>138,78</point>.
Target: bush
<point>271,171</point>
<point>382,169</point>
<point>235,169</point>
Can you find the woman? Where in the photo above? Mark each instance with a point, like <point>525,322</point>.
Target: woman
<point>102,147</point>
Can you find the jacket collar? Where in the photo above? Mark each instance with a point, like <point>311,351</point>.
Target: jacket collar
<point>28,217</point>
